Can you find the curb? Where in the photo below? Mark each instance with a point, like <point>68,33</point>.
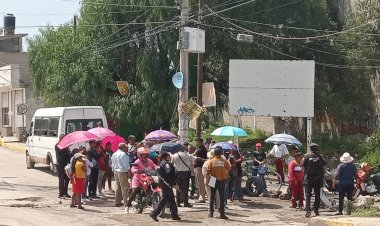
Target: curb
<point>334,222</point>
<point>11,146</point>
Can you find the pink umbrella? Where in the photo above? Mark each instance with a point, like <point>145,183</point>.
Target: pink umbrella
<point>102,132</point>
<point>114,140</point>
<point>76,137</point>
<point>160,135</point>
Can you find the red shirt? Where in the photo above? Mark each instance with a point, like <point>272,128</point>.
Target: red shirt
<point>295,171</point>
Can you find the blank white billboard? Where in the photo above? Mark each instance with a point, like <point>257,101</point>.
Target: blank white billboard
<point>271,88</point>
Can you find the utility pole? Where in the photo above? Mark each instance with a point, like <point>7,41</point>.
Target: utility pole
<point>183,124</point>
<point>200,76</point>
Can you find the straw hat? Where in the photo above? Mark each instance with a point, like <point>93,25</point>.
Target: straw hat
<point>346,158</point>
<point>211,154</point>
<point>77,155</point>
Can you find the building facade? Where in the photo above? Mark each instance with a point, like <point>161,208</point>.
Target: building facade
<point>15,84</point>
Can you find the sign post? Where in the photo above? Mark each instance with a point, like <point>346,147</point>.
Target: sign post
<point>22,109</point>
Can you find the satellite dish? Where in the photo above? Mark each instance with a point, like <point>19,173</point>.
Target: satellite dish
<point>177,80</point>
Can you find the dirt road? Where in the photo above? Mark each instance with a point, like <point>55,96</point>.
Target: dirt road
<point>29,197</point>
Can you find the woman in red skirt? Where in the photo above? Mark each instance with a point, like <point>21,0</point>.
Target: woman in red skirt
<point>78,180</point>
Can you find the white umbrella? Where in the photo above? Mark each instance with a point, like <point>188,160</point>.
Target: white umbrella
<point>283,138</point>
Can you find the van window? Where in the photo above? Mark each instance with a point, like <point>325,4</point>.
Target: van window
<point>37,126</point>
<point>53,127</point>
<point>44,126</point>
<point>82,124</point>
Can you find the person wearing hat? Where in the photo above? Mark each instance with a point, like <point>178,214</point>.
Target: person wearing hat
<point>313,165</point>
<point>258,158</point>
<point>78,180</point>
<point>345,175</point>
<point>167,179</point>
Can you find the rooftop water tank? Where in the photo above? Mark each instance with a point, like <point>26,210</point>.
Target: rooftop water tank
<point>9,24</point>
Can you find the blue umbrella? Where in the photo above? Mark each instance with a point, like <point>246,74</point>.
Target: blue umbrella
<point>167,147</point>
<point>224,145</point>
<point>283,138</point>
<point>229,131</point>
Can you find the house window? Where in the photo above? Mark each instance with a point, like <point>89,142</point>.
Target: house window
<point>5,117</point>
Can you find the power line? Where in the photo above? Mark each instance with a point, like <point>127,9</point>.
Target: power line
<point>266,10</point>
<point>70,14</point>
<point>132,22</point>
<point>334,54</point>
<point>224,10</point>
<point>297,28</point>
<point>91,25</point>
<point>318,63</point>
<point>290,38</point>
<point>122,5</point>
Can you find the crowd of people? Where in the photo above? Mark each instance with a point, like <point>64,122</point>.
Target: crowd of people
<point>213,174</point>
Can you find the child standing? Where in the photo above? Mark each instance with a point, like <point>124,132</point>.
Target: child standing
<point>78,180</point>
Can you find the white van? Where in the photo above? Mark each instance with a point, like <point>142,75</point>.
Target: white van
<point>49,123</point>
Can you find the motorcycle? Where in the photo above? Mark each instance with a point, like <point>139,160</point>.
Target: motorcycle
<point>362,187</point>
<point>149,194</point>
<point>252,185</point>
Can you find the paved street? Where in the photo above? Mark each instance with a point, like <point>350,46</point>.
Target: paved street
<point>29,197</point>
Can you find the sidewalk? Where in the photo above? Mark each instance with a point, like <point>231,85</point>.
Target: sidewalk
<point>348,221</point>
<point>14,146</point>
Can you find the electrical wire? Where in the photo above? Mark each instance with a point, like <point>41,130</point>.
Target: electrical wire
<point>318,63</point>
<point>122,5</point>
<point>266,10</point>
<point>334,54</point>
<point>290,38</point>
<point>224,10</point>
<point>297,28</point>
<point>141,36</point>
<point>108,36</point>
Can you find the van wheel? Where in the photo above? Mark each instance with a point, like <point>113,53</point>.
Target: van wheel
<point>29,163</point>
<point>53,167</point>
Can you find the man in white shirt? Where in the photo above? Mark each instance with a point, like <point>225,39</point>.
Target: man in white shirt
<point>121,166</point>
<point>182,161</point>
<point>279,151</point>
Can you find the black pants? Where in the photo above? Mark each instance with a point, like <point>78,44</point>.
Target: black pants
<point>310,185</point>
<point>63,180</point>
<point>345,189</point>
<point>167,199</point>
<point>220,186</point>
<point>183,182</point>
<point>93,182</point>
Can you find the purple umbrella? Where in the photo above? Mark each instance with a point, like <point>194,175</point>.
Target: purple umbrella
<point>224,145</point>
<point>159,135</point>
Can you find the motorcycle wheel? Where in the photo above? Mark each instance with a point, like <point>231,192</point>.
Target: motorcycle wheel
<point>254,186</point>
<point>356,193</point>
<point>155,200</point>
<point>138,205</point>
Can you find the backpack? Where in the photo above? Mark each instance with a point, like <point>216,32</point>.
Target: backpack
<point>68,170</point>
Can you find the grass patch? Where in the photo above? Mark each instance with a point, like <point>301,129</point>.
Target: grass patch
<point>371,211</point>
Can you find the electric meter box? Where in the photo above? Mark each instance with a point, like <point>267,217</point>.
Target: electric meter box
<point>196,40</point>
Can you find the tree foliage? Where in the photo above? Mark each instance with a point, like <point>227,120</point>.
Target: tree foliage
<point>112,42</point>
